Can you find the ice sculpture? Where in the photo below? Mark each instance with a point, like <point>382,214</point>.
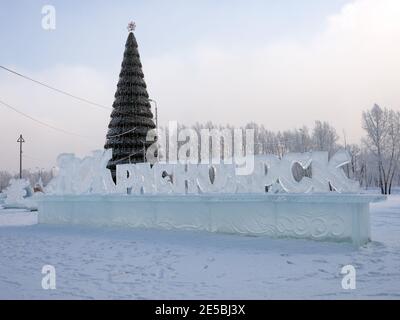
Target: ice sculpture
<point>212,197</point>
<point>82,176</point>
<point>90,176</point>
<point>16,191</point>
<point>19,195</point>
<point>64,182</point>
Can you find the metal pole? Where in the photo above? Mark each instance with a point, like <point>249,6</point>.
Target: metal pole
<point>156,112</point>
<point>21,141</point>
<point>156,115</point>
<point>158,153</point>
<point>156,118</point>
<point>20,160</point>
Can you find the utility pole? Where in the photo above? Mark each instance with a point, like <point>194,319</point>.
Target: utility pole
<point>345,147</point>
<point>156,112</point>
<point>345,139</point>
<point>21,141</point>
<point>156,116</point>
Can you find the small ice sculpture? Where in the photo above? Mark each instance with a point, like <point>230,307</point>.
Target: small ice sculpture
<point>16,191</point>
<point>19,195</point>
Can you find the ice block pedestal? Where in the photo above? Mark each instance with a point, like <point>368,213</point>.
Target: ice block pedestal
<point>324,217</point>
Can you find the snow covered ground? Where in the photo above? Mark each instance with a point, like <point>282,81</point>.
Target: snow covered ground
<point>17,217</point>
<point>151,264</point>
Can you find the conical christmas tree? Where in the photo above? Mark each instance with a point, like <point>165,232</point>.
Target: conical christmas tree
<point>131,118</point>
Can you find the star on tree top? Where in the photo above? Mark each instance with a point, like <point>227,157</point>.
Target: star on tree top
<point>131,26</point>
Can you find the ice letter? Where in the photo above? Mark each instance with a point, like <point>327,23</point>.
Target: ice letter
<point>144,179</point>
<point>286,178</point>
<point>126,178</point>
<point>163,177</point>
<point>216,178</point>
<point>337,176</point>
<point>320,174</point>
<point>185,176</point>
<point>265,175</point>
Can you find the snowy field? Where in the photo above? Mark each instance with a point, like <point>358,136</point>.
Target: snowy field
<point>149,264</point>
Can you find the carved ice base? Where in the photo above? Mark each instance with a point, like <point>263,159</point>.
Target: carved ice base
<point>324,217</point>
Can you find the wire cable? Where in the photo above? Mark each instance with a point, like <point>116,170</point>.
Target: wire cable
<point>56,89</point>
<point>122,134</point>
<point>131,155</point>
<point>40,122</point>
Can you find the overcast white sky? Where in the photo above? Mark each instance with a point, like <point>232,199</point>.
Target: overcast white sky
<point>281,63</point>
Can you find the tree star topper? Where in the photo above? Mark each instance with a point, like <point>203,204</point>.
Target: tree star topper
<point>131,26</point>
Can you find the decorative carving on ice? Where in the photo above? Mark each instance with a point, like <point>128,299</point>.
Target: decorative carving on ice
<point>322,217</point>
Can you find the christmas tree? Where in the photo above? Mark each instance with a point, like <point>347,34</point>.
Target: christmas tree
<point>131,118</point>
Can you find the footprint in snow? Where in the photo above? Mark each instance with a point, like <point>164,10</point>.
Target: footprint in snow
<point>320,261</point>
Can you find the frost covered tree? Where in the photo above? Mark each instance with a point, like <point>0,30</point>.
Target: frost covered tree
<point>324,137</point>
<point>5,178</point>
<point>383,141</point>
<point>131,118</point>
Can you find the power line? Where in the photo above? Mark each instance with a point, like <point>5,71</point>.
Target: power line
<point>122,134</point>
<point>55,89</point>
<point>59,129</point>
<point>131,155</point>
<point>41,122</point>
